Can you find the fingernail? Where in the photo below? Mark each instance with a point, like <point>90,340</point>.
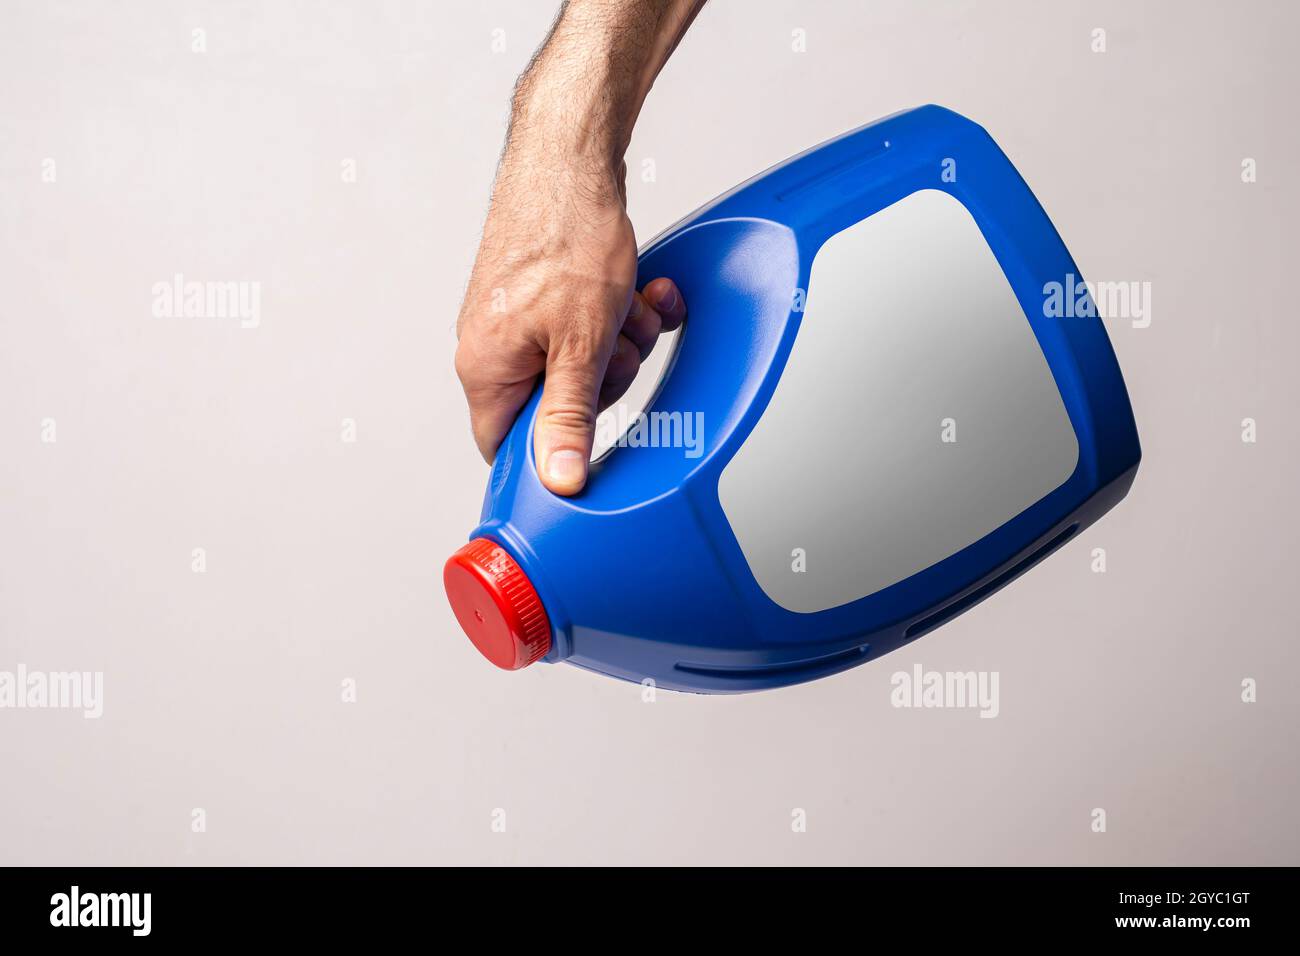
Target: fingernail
<point>635,309</point>
<point>565,466</point>
<point>667,301</point>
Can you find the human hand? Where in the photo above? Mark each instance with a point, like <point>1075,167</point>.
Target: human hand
<point>551,291</point>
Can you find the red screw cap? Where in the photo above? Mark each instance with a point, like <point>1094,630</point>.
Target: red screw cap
<point>496,605</point>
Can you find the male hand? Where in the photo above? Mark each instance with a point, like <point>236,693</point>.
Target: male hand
<point>552,291</point>
<point>552,288</point>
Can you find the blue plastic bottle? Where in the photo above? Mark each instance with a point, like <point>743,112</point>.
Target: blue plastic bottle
<point>892,397</point>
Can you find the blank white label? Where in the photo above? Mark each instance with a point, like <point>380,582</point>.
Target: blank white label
<point>915,415</point>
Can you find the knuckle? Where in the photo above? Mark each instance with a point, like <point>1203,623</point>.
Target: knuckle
<point>624,364</point>
<point>465,364</point>
<point>571,416</point>
<point>584,342</point>
<point>644,329</point>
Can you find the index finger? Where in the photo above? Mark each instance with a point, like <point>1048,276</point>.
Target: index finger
<point>667,300</point>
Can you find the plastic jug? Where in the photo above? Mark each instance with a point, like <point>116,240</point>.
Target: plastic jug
<point>888,422</point>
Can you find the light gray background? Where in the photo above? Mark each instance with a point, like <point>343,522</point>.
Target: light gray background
<point>1118,690</point>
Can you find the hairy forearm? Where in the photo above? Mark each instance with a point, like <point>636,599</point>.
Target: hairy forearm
<point>579,98</point>
<point>553,291</point>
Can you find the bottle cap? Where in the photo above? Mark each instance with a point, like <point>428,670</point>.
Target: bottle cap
<point>496,605</point>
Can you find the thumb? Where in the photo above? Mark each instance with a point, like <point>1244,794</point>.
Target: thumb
<point>566,416</point>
